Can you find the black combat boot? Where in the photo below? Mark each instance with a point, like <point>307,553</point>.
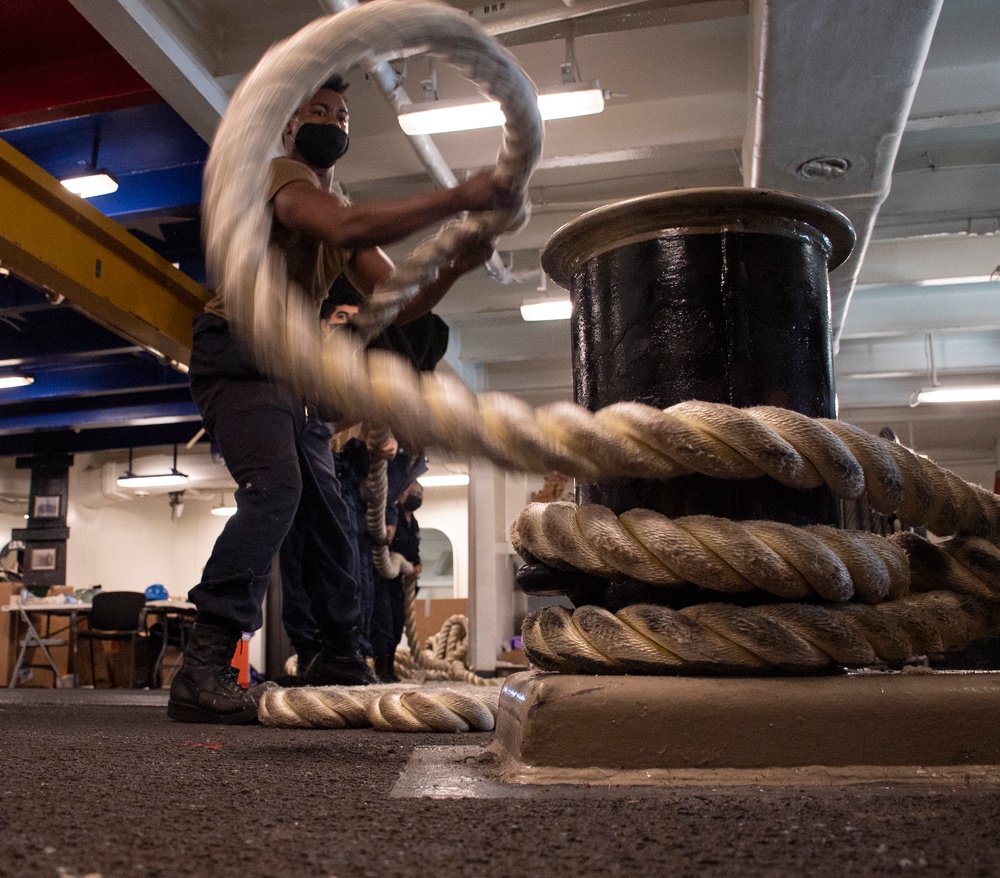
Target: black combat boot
<point>205,688</point>
<point>339,663</point>
<point>385,670</point>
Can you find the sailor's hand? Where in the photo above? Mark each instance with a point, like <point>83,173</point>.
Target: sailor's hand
<point>487,190</point>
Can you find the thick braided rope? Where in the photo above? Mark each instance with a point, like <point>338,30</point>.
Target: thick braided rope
<point>636,440</point>
<point>397,708</point>
<point>452,641</point>
<point>794,563</point>
<point>968,565</point>
<point>388,564</point>
<point>725,639</point>
<point>445,660</point>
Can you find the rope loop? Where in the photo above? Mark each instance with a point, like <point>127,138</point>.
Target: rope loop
<point>794,563</point>
<point>250,273</point>
<point>721,639</point>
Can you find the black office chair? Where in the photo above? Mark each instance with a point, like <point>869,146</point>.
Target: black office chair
<point>117,617</point>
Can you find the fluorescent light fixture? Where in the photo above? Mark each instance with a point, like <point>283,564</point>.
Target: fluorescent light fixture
<point>546,309</point>
<point>159,480</point>
<point>155,480</point>
<point>955,281</point>
<point>100,182</point>
<point>8,381</point>
<point>441,117</point>
<point>222,510</point>
<point>448,480</point>
<point>982,393</point>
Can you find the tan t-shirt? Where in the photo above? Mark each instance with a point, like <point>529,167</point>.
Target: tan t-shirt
<point>313,264</point>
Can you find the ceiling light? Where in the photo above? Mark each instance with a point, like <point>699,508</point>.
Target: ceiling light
<point>8,381</point>
<point>159,480</point>
<point>223,510</point>
<point>440,117</point>
<point>982,393</point>
<point>954,281</point>
<point>446,481</point>
<point>155,480</point>
<point>96,181</point>
<point>100,182</point>
<point>547,309</point>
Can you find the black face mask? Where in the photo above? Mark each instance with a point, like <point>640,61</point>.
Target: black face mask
<point>321,145</point>
<point>412,503</point>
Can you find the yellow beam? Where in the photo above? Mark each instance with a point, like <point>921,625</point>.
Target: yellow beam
<point>58,243</point>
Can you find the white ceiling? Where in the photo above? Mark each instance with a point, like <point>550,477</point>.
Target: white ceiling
<point>714,93</point>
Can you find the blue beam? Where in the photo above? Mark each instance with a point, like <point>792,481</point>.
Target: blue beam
<point>98,438</point>
<point>132,414</point>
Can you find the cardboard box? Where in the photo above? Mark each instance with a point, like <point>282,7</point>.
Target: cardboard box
<point>8,647</point>
<point>512,657</point>
<point>430,614</point>
<point>511,661</point>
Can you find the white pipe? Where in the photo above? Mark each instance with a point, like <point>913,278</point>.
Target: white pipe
<point>388,81</point>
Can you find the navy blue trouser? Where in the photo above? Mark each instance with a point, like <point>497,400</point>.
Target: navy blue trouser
<point>366,580</point>
<point>320,546</point>
<point>352,469</point>
<point>389,617</point>
<point>282,482</point>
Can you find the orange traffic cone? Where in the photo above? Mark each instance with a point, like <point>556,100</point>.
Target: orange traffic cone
<point>241,660</point>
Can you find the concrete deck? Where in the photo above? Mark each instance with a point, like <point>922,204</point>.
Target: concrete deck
<point>101,783</point>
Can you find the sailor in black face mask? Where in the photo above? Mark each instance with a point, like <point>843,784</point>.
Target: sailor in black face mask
<point>283,468</point>
<point>317,133</point>
<point>322,144</point>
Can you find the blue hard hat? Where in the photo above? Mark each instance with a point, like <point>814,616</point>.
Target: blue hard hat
<point>156,593</point>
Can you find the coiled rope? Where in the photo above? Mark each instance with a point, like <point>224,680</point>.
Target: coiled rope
<point>444,657</point>
<point>795,563</point>
<point>719,638</point>
<point>627,439</point>
<point>394,707</point>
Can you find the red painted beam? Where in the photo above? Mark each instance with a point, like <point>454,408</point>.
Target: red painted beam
<point>69,88</point>
<point>55,65</point>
